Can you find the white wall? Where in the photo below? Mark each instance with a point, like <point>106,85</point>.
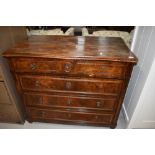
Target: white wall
<point>143,47</point>
<point>144,114</point>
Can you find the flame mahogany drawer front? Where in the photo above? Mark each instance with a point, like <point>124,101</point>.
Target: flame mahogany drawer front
<point>85,102</point>
<point>50,84</point>
<point>56,115</point>
<point>72,80</point>
<point>71,68</point>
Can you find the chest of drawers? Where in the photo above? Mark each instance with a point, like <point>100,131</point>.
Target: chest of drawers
<point>72,80</point>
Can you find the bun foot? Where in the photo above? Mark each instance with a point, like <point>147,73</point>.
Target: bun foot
<point>113,126</point>
<point>30,121</point>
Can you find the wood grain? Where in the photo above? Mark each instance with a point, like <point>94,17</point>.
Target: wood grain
<point>77,102</point>
<point>72,80</point>
<point>70,47</point>
<point>95,69</point>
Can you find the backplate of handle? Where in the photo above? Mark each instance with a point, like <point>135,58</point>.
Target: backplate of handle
<point>67,67</point>
<point>33,66</point>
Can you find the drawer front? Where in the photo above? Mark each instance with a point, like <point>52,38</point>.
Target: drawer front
<point>4,97</point>
<point>69,116</point>
<point>107,104</point>
<point>37,66</point>
<point>46,83</point>
<point>72,67</point>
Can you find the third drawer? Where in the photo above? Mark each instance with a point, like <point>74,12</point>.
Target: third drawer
<point>85,102</point>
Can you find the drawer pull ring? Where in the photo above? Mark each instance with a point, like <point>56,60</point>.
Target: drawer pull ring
<point>91,75</point>
<point>98,104</point>
<point>96,117</point>
<point>67,67</point>
<point>41,114</point>
<point>33,66</point>
<point>68,109</point>
<point>37,84</point>
<point>68,85</point>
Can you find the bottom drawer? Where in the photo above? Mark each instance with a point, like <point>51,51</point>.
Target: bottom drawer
<point>34,114</point>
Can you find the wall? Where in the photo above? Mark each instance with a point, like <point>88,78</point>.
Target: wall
<point>144,115</point>
<point>143,46</point>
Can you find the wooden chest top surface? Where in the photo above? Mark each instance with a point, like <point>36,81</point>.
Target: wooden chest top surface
<point>73,47</point>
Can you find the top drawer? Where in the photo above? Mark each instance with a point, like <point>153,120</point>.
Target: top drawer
<point>99,69</point>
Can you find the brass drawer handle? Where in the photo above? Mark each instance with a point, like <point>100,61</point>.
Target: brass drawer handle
<point>99,104</point>
<point>68,109</point>
<point>67,67</point>
<point>33,66</point>
<point>41,113</point>
<point>37,83</point>
<point>91,75</point>
<point>68,85</point>
<point>96,117</point>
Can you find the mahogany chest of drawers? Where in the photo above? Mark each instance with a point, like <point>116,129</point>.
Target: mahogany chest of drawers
<point>72,80</point>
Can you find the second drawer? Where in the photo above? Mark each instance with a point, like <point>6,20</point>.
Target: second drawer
<point>49,84</point>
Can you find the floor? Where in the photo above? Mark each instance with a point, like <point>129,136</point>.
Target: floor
<point>35,125</point>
